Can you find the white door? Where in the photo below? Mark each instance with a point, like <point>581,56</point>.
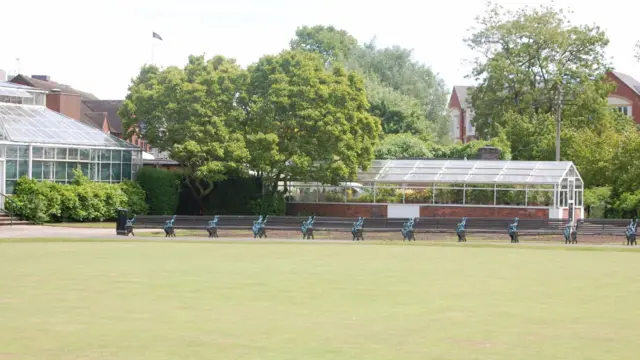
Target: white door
<point>571,197</point>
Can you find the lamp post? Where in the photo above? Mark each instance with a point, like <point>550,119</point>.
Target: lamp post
<point>558,116</point>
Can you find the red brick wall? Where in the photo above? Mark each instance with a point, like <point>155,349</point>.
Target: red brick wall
<point>491,212</point>
<point>380,210</point>
<point>341,210</point>
<point>624,91</point>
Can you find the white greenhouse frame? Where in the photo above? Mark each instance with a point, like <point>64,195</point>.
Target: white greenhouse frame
<point>39,143</point>
<point>556,186</point>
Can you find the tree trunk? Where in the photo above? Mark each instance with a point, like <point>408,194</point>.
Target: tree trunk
<point>276,180</point>
<point>198,191</point>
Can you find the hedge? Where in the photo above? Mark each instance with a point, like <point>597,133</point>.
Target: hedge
<point>81,201</point>
<point>162,190</point>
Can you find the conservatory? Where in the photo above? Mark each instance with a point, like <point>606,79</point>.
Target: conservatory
<point>45,145</point>
<point>483,188</point>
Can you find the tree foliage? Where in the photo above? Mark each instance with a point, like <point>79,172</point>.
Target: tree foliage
<point>401,90</point>
<point>402,146</point>
<point>395,68</point>
<point>398,113</point>
<point>188,112</point>
<point>307,122</point>
<point>331,43</point>
<point>527,60</point>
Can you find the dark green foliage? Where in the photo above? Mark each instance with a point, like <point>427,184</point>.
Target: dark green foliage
<point>83,200</point>
<point>162,188</point>
<point>232,196</point>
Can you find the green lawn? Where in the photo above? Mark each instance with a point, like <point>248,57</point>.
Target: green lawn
<point>169,300</point>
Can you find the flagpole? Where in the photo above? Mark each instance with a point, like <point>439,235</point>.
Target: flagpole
<point>153,50</point>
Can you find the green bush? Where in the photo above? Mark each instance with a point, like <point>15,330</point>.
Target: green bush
<point>136,197</point>
<point>83,200</point>
<point>162,190</point>
<point>270,204</point>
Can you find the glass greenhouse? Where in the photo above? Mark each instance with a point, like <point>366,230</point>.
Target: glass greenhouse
<point>547,184</point>
<point>42,144</point>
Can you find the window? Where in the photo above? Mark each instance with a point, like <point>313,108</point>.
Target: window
<point>624,109</point>
<point>61,154</point>
<point>85,154</point>
<point>17,165</point>
<point>471,130</point>
<point>105,172</point>
<point>36,169</point>
<point>73,154</point>
<point>49,153</point>
<point>61,171</point>
<point>41,99</point>
<point>37,152</point>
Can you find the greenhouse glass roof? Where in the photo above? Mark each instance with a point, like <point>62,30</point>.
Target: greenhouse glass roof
<point>468,171</point>
<point>38,124</point>
<point>5,91</point>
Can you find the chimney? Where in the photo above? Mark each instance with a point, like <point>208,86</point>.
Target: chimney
<point>488,153</point>
<point>42,77</point>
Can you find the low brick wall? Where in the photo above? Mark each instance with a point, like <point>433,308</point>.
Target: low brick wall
<point>380,210</point>
<point>486,212</point>
<point>341,210</point>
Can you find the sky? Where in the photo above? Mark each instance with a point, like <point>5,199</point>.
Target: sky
<point>98,46</point>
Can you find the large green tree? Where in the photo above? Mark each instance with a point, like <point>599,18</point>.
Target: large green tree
<point>398,113</point>
<point>396,68</point>
<point>591,147</point>
<point>306,122</point>
<point>401,91</point>
<point>528,60</point>
<point>187,112</point>
<point>333,44</point>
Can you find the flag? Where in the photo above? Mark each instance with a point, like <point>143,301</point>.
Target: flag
<point>156,36</point>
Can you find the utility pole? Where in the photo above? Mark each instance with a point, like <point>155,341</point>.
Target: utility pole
<point>558,116</point>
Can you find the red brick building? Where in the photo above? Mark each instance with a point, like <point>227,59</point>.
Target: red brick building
<point>81,106</point>
<point>461,114</point>
<point>626,96</point>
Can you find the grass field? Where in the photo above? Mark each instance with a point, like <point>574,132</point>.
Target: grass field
<point>171,300</point>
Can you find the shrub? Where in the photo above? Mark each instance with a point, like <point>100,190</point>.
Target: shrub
<point>136,197</point>
<point>41,202</point>
<point>270,204</point>
<point>162,190</point>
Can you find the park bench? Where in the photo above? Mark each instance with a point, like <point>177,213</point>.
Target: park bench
<point>500,227</point>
